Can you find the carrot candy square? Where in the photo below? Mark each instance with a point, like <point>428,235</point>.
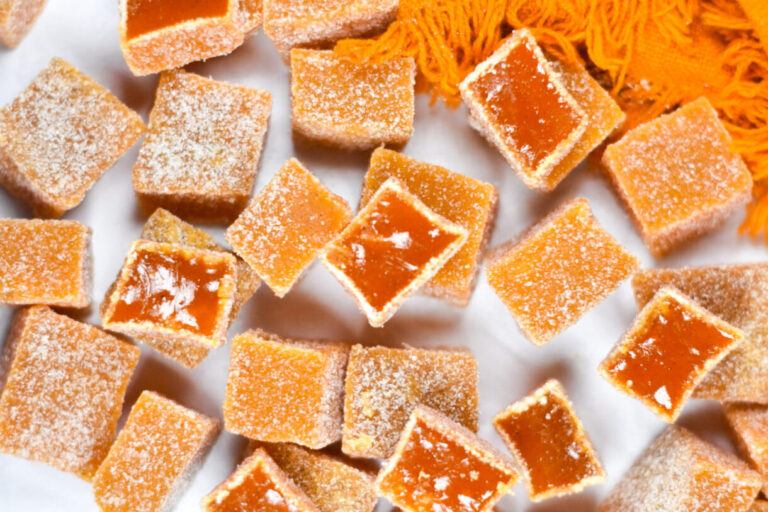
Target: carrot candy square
<point>286,225</point>
<point>204,141</point>
<point>285,390</point>
<point>549,443</point>
<point>561,268</point>
<point>749,424</point>
<point>739,295</point>
<point>383,385</point>
<point>358,106</point>
<point>440,465</point>
<point>172,293</point>
<point>154,457</point>
<point>460,199</point>
<point>393,246</point>
<point>59,136</point>
<point>666,352</point>
<point>679,471</point>
<point>678,191</point>
<point>521,106</point>
<point>156,35</point>
<point>17,18</point>
<point>45,262</point>
<point>62,384</point>
<point>315,24</point>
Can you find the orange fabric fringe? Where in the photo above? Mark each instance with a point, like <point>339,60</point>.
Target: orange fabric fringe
<point>652,54</point>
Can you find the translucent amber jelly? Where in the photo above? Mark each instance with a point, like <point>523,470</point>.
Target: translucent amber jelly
<point>549,443</point>
<point>203,145</point>
<point>155,456</point>
<point>739,295</point>
<point>671,345</point>
<point>45,262</point>
<point>460,199</point>
<point>440,465</point>
<point>383,385</point>
<point>749,424</point>
<point>17,18</point>
<point>62,385</point>
<point>260,485</point>
<point>156,35</point>
<point>286,225</point>
<point>560,269</point>
<point>521,106</point>
<point>681,189</point>
<point>679,471</point>
<point>393,246</point>
<point>51,156</point>
<point>359,106</point>
<point>285,390</point>
<point>172,292</point>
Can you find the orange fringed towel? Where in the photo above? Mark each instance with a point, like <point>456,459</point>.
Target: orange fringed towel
<point>652,54</point>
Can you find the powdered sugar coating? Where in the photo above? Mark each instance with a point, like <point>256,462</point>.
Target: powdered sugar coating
<point>17,18</point>
<point>252,15</point>
<point>62,385</point>
<point>749,425</point>
<point>59,136</point>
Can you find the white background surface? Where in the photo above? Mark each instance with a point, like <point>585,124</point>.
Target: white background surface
<point>84,32</point>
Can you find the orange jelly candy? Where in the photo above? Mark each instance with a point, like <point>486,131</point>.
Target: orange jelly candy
<point>17,18</point>
<point>383,385</point>
<point>156,35</point>
<point>286,225</point>
<point>440,465</point>
<point>358,106</point>
<point>393,246</point>
<point>258,484</point>
<point>285,390</point>
<point>314,23</point>
<point>671,345</point>
<point>749,424</point>
<point>739,295</point>
<point>560,269</point>
<point>678,175</point>
<point>154,457</point>
<point>520,105</point>
<point>62,385</point>
<point>252,15</point>
<point>173,293</point>
<point>51,156</point>
<point>204,141</point>
<point>460,199</point>
<point>549,443</point>
<point>759,506</point>
<point>45,262</point>
<point>331,484</point>
<point>679,471</point>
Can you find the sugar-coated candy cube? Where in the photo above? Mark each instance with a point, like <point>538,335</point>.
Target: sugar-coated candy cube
<point>561,268</point>
<point>202,147</point>
<point>17,18</point>
<point>155,456</point>
<point>666,352</point>
<point>739,295</point>
<point>678,175</point>
<point>517,101</point>
<point>330,483</point>
<point>45,262</point>
<point>59,136</point>
<point>679,471</point>
<point>358,106</point>
<point>383,385</point>
<point>286,225</point>
<point>252,11</point>
<point>549,443</point>
<point>749,425</point>
<point>173,293</point>
<point>460,199</point>
<point>440,465</point>
<point>394,245</point>
<point>316,24</point>
<point>285,390</point>
<point>156,35</point>
<point>62,384</point>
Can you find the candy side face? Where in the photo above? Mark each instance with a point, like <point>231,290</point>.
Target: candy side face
<point>17,18</point>
<point>252,13</point>
<point>749,425</point>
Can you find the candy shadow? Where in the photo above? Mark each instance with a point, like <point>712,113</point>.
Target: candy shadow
<point>421,330</point>
<point>707,420</point>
